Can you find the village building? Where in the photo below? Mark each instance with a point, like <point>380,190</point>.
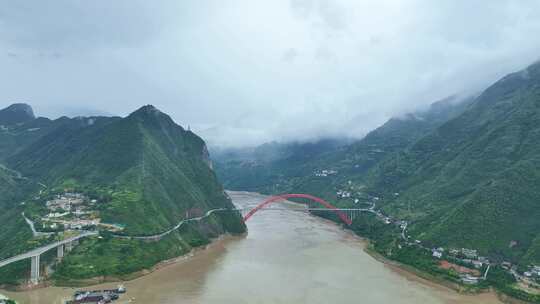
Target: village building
<point>483,259</point>
<point>469,253</point>
<point>506,265</point>
<point>477,264</point>
<point>469,279</point>
<point>536,270</point>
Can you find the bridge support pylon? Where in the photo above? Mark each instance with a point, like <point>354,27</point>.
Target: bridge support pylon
<point>60,252</point>
<point>34,269</point>
<point>69,246</point>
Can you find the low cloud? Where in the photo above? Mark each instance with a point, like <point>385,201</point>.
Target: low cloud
<point>244,72</point>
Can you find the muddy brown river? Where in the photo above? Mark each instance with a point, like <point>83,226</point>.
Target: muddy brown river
<point>287,257</point>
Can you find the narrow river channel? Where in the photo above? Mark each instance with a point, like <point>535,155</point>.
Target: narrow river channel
<point>287,257</point>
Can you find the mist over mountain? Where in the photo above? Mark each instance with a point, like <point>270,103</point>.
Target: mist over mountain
<point>472,181</point>
<point>134,133</point>
<point>229,72</point>
<point>464,174</point>
<point>281,167</point>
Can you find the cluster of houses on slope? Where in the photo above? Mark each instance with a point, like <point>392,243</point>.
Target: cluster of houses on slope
<point>325,173</point>
<point>463,256</point>
<point>469,274</point>
<point>472,259</point>
<point>532,271</point>
<point>68,202</point>
<point>343,194</point>
<point>351,191</point>
<point>73,211</point>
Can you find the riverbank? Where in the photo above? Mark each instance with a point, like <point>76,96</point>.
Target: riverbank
<point>163,264</point>
<point>287,257</point>
<point>411,273</point>
<point>4,299</point>
<point>90,282</point>
<point>58,294</point>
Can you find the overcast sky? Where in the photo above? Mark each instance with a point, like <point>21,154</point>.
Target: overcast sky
<point>243,72</point>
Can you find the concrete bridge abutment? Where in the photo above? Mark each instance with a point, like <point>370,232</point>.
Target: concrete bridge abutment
<point>34,269</point>
<point>60,252</point>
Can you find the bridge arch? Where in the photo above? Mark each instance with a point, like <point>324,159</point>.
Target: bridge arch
<point>283,197</point>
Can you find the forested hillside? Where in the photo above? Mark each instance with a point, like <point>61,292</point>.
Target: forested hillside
<point>271,167</point>
<point>301,168</point>
<point>464,174</point>
<point>473,182</point>
<point>143,174</point>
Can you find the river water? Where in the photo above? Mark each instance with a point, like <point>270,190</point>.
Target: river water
<point>287,257</point>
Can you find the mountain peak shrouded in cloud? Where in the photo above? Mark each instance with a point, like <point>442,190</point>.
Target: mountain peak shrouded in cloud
<point>246,73</point>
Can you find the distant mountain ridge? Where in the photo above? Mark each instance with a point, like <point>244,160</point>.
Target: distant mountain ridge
<point>262,167</point>
<point>292,166</point>
<point>464,175</point>
<point>16,113</point>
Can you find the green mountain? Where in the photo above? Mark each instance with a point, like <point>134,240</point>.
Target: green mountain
<point>16,113</point>
<point>463,174</point>
<point>292,167</point>
<point>473,181</point>
<point>19,128</point>
<point>145,171</point>
<point>14,229</point>
<point>271,166</point>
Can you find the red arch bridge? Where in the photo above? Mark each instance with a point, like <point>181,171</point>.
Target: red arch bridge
<point>314,204</point>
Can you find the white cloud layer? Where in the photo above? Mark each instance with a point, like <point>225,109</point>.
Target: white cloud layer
<point>242,72</point>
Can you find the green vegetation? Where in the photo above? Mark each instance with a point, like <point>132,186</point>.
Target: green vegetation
<point>505,282</point>
<point>18,272</point>
<point>100,257</point>
<point>462,175</point>
<point>473,181</point>
<point>15,234</point>
<point>108,256</point>
<point>15,273</point>
<point>275,168</point>
<point>144,170</point>
<point>466,174</point>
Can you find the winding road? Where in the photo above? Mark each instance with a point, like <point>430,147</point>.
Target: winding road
<point>157,237</point>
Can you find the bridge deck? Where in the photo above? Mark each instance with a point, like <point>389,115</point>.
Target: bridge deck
<point>307,209</point>
<point>43,249</point>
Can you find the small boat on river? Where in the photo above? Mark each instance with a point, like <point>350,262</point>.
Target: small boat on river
<point>97,296</point>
